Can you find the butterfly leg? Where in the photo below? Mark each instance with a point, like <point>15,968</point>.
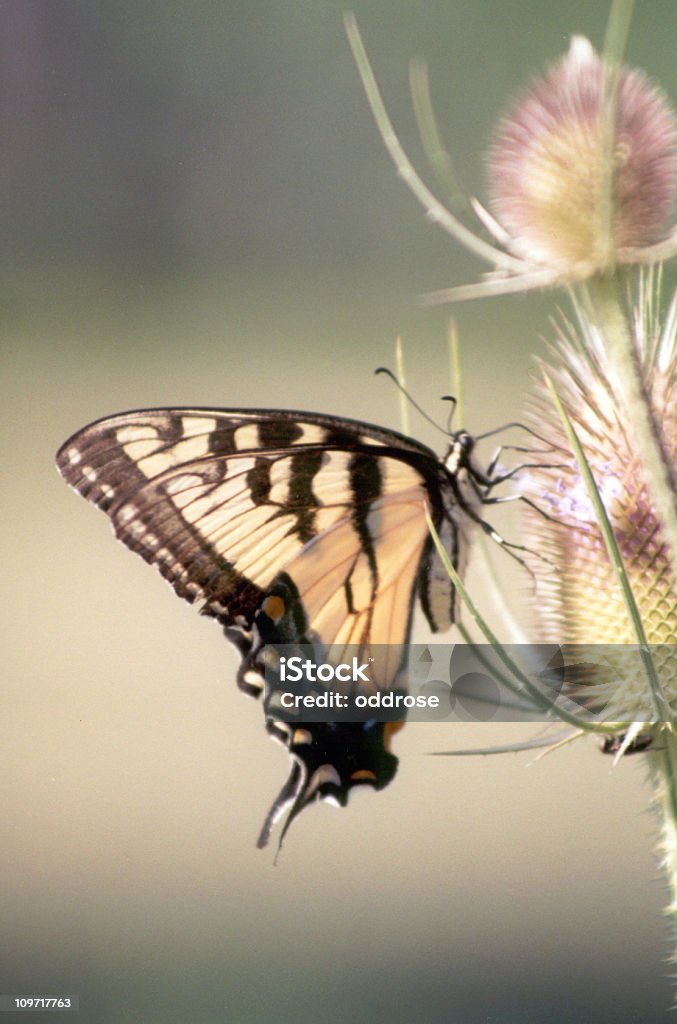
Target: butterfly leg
<point>483,483</point>
<point>489,480</point>
<point>508,546</point>
<point>537,508</point>
<point>520,497</point>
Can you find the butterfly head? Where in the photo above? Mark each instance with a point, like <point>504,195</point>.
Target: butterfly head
<point>459,452</point>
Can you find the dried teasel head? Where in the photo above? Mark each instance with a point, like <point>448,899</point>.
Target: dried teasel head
<point>578,599</point>
<point>582,171</point>
<point>565,196</point>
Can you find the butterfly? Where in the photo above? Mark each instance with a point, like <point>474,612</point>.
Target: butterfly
<point>291,527</point>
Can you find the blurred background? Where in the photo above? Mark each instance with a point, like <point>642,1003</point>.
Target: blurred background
<point>197,209</point>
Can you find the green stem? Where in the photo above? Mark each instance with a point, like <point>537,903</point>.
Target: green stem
<point>663,771</point>
<point>612,322</point>
<point>405,420</point>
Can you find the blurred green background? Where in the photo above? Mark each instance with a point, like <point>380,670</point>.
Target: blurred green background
<point>197,209</point>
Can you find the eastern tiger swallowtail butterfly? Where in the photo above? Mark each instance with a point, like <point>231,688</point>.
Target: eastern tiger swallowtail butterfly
<point>290,526</point>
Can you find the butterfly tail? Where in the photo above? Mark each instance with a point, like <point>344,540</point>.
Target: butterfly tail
<point>291,793</point>
<point>328,761</point>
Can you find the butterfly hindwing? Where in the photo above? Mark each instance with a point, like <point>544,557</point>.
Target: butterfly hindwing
<point>286,527</point>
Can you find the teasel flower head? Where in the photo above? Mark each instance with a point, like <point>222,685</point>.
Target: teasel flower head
<point>569,198</point>
<point>578,600</point>
<point>582,173</point>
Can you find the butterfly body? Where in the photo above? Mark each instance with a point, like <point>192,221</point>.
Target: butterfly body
<point>290,527</point>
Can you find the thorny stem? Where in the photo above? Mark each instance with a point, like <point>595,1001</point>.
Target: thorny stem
<point>663,772</point>
<point>628,381</point>
<point>615,43</point>
<point>612,323</point>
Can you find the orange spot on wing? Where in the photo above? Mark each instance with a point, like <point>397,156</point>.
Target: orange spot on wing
<point>274,608</point>
<point>389,730</point>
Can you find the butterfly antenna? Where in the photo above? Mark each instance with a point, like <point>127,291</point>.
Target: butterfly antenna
<point>423,413</point>
<point>453,404</point>
<point>507,426</point>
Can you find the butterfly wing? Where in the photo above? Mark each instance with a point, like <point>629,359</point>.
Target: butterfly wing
<point>287,527</point>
